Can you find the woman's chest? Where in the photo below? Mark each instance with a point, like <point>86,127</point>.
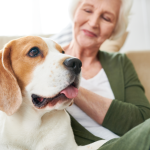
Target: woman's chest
<point>91,71</point>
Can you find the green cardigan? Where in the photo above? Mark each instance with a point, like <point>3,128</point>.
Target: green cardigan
<point>130,106</point>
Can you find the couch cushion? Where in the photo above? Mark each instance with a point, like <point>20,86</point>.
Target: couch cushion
<point>141,62</point>
<point>6,39</point>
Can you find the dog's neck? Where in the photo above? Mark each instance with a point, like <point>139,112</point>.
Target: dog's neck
<point>35,124</point>
<point>29,117</point>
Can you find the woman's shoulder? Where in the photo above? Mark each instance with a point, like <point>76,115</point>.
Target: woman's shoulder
<point>112,54</point>
<point>115,57</point>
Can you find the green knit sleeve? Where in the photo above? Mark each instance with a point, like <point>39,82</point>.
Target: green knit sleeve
<point>135,109</point>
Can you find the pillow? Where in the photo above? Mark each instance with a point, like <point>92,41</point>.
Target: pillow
<point>65,36</point>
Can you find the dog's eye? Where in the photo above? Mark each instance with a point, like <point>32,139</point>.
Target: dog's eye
<point>34,52</point>
<point>63,52</point>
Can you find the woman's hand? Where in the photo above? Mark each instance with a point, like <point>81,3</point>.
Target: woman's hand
<point>93,104</point>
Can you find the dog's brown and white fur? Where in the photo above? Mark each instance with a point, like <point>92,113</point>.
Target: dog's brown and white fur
<point>23,126</point>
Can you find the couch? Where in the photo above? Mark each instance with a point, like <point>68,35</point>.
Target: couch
<point>141,62</point>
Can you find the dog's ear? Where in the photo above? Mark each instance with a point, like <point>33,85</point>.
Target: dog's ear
<point>10,93</point>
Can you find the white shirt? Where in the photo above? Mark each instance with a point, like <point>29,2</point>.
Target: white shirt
<point>99,84</point>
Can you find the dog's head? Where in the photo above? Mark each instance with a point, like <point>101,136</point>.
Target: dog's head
<point>37,69</point>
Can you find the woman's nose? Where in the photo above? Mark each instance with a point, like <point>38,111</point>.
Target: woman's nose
<point>94,21</point>
<point>73,64</point>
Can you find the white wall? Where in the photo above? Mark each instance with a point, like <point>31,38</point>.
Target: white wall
<point>25,17</point>
<point>139,27</point>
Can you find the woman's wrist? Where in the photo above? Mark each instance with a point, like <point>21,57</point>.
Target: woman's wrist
<point>94,105</point>
<point>80,96</point>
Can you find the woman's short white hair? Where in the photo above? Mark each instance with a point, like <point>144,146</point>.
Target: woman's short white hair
<point>122,23</point>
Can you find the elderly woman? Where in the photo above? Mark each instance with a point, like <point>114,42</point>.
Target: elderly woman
<point>111,99</point>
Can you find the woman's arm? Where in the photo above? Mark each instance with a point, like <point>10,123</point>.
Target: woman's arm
<point>125,114</point>
<point>119,116</point>
<point>93,104</point>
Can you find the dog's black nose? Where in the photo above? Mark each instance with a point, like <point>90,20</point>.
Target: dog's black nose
<point>73,64</point>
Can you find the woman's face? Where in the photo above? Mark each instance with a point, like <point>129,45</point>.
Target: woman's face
<point>94,21</point>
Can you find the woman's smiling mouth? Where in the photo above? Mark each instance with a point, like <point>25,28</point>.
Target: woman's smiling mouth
<point>89,33</point>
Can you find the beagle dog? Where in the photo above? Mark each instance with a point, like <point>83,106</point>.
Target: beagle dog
<point>37,82</point>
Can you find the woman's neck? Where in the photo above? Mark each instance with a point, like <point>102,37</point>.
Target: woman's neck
<point>88,56</point>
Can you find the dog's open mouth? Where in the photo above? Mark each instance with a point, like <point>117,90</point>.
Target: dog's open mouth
<point>69,92</point>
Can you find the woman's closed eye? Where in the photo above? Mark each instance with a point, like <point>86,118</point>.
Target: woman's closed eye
<point>88,10</point>
<point>106,18</point>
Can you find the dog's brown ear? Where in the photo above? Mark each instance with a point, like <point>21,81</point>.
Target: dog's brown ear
<point>10,93</point>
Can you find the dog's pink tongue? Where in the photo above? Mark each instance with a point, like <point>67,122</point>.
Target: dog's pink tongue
<point>70,92</point>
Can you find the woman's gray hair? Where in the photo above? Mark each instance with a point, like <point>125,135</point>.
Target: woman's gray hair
<point>123,18</point>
